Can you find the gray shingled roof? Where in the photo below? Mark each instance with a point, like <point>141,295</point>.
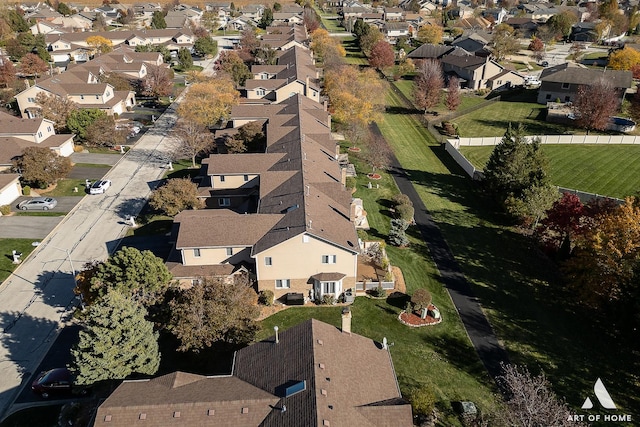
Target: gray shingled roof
<point>573,73</point>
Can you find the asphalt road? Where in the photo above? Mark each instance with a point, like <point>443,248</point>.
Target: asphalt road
<point>36,301</point>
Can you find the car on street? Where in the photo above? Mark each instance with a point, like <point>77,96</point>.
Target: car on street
<point>38,203</point>
<point>100,186</point>
<point>56,381</point>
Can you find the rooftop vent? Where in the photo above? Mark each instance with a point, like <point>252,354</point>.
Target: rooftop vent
<point>292,208</point>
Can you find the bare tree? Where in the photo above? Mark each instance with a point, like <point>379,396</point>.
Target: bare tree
<point>428,84</point>
<point>158,81</point>
<point>530,401</point>
<point>595,103</point>
<point>378,154</point>
<point>192,138</point>
<point>453,93</point>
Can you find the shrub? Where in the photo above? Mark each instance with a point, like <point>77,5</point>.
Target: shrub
<point>397,236</point>
<point>401,199</point>
<point>384,263</point>
<point>378,291</point>
<point>5,209</point>
<point>26,190</point>
<point>405,213</point>
<point>327,300</point>
<point>350,182</point>
<point>423,401</point>
<point>421,298</point>
<point>265,297</point>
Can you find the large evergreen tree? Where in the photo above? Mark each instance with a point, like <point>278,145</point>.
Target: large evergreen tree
<point>139,275</point>
<point>157,20</point>
<point>516,175</point>
<point>117,341</point>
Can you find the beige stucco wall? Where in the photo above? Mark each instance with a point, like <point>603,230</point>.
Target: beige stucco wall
<point>23,99</point>
<point>294,259</point>
<point>213,256</point>
<point>285,91</point>
<point>233,181</point>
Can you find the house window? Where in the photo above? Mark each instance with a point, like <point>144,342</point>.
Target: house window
<point>282,283</point>
<point>97,97</point>
<point>40,134</point>
<point>329,259</point>
<point>196,253</point>
<point>305,238</point>
<point>48,128</point>
<point>268,260</point>
<point>260,92</point>
<point>221,178</point>
<point>224,201</point>
<point>565,85</point>
<point>31,100</point>
<point>81,96</point>
<point>229,251</point>
<point>567,99</point>
<point>328,288</point>
<point>246,178</point>
<point>548,97</point>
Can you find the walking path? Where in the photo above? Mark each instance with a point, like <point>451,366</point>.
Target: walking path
<point>482,336</point>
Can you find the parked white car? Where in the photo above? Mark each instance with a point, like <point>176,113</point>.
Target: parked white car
<point>100,187</point>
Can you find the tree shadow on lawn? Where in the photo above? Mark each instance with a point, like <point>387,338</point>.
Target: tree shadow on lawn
<point>537,317</point>
<point>401,110</point>
<point>533,124</point>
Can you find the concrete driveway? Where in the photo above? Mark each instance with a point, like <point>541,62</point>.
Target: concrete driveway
<point>34,226</point>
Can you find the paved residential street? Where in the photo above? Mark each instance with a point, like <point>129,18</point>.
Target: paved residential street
<point>38,298</point>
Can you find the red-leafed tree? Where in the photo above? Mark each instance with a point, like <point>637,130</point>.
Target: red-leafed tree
<point>7,72</point>
<point>562,222</point>
<point>595,103</point>
<point>32,65</point>
<point>537,47</point>
<point>382,55</point>
<point>428,85</point>
<point>453,93</point>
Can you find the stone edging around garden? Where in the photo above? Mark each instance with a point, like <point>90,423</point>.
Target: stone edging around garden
<point>414,321</point>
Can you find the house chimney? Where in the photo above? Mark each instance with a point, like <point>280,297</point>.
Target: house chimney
<point>346,320</point>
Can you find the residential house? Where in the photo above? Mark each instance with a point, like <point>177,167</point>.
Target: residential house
<point>496,15</point>
<point>285,212</point>
<point>253,11</point>
<point>308,375</point>
<point>10,188</point>
<point>287,18</point>
<point>393,14</point>
<point>80,86</point>
<point>436,51</point>
<point>17,133</point>
<point>584,32</point>
<point>394,29</point>
<point>525,27</point>
<point>477,72</point>
<point>294,72</point>
<point>473,43</point>
<point>46,27</point>
<point>285,37</point>
<point>562,81</point>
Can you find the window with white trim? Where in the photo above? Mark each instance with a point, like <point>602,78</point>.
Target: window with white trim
<point>39,134</point>
<point>268,260</point>
<point>196,253</point>
<point>282,284</point>
<point>229,251</point>
<point>329,259</point>
<point>305,238</point>
<point>221,178</point>
<point>260,92</point>
<point>328,287</point>
<point>224,201</point>
<point>246,178</point>
<point>31,99</point>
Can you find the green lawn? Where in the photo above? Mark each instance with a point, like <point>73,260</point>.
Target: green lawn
<point>354,54</point>
<point>611,170</point>
<point>467,100</point>
<point>65,187</point>
<point>493,119</point>
<point>6,259</point>
<point>519,288</point>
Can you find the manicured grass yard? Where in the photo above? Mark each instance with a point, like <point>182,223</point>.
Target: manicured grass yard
<point>354,54</point>
<point>6,259</point>
<point>611,170</point>
<point>519,288</point>
<point>467,100</point>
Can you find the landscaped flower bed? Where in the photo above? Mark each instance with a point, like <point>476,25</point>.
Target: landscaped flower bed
<point>374,176</point>
<point>415,321</point>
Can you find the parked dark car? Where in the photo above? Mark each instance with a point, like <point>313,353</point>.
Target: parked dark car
<point>57,381</point>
